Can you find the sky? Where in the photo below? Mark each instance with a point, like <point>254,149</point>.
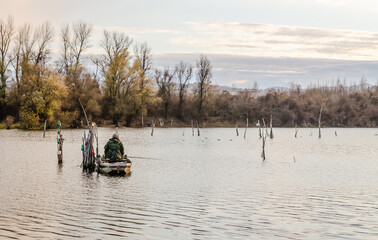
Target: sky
<point>272,42</point>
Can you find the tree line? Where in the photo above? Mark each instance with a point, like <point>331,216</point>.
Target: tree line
<point>121,86</point>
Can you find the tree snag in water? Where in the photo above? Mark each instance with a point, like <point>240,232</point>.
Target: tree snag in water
<point>246,127</point>
<point>271,127</point>
<point>320,120</point>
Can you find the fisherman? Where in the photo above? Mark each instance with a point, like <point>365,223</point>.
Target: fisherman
<point>114,148</point>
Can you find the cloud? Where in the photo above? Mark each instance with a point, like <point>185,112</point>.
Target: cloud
<point>244,70</point>
<point>136,30</point>
<point>239,82</point>
<point>270,71</point>
<point>279,41</point>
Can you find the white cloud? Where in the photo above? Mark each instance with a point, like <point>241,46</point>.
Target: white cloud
<point>269,72</point>
<point>280,41</point>
<point>239,82</point>
<point>136,30</point>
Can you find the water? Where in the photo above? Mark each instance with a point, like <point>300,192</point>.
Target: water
<point>215,186</point>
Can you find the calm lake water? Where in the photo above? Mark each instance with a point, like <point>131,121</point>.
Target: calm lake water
<point>215,186</point>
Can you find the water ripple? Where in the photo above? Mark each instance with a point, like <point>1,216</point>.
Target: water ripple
<point>194,188</point>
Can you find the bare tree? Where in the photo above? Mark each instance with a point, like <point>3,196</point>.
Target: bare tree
<point>164,81</point>
<point>183,75</point>
<point>6,34</point>
<point>118,72</point>
<point>143,56</point>
<point>116,45</point>
<point>143,60</point>
<point>43,37</point>
<point>73,45</point>
<point>23,52</point>
<point>31,48</point>
<point>204,76</point>
<point>75,40</point>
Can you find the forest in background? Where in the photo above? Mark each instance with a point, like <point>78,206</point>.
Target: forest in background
<point>122,87</point>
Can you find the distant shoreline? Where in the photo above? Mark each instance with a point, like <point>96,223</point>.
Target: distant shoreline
<point>18,126</point>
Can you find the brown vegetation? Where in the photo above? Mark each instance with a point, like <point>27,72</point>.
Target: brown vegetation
<point>126,89</point>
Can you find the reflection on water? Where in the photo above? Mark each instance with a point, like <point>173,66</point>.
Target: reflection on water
<point>182,187</point>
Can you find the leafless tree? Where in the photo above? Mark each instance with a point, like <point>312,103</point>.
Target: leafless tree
<point>204,76</point>
<point>6,35</point>
<point>31,48</point>
<point>74,41</point>
<point>118,72</point>
<point>73,45</point>
<point>143,57</point>
<point>116,46</point>
<point>164,81</point>
<point>143,60</point>
<point>43,37</point>
<point>183,76</point>
<point>21,51</point>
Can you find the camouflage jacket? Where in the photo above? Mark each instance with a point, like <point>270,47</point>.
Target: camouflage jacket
<point>114,149</point>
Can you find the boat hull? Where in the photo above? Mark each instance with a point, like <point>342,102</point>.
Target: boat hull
<point>110,167</point>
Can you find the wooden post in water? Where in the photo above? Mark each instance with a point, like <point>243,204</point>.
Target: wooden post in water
<point>296,129</point>
<point>246,127</point>
<point>320,120</point>
<point>264,134</point>
<point>83,145</point>
<point>271,127</point>
<point>96,135</point>
<point>237,131</point>
<point>192,127</point>
<point>198,130</point>
<point>44,129</point>
<point>258,124</point>
<point>60,143</point>
<point>152,126</point>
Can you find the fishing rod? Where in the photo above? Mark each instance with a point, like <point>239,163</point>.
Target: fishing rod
<point>85,114</point>
<point>144,158</point>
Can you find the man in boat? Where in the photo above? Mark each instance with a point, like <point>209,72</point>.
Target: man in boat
<point>114,148</point>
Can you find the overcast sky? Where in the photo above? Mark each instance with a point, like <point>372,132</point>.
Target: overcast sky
<point>272,42</point>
